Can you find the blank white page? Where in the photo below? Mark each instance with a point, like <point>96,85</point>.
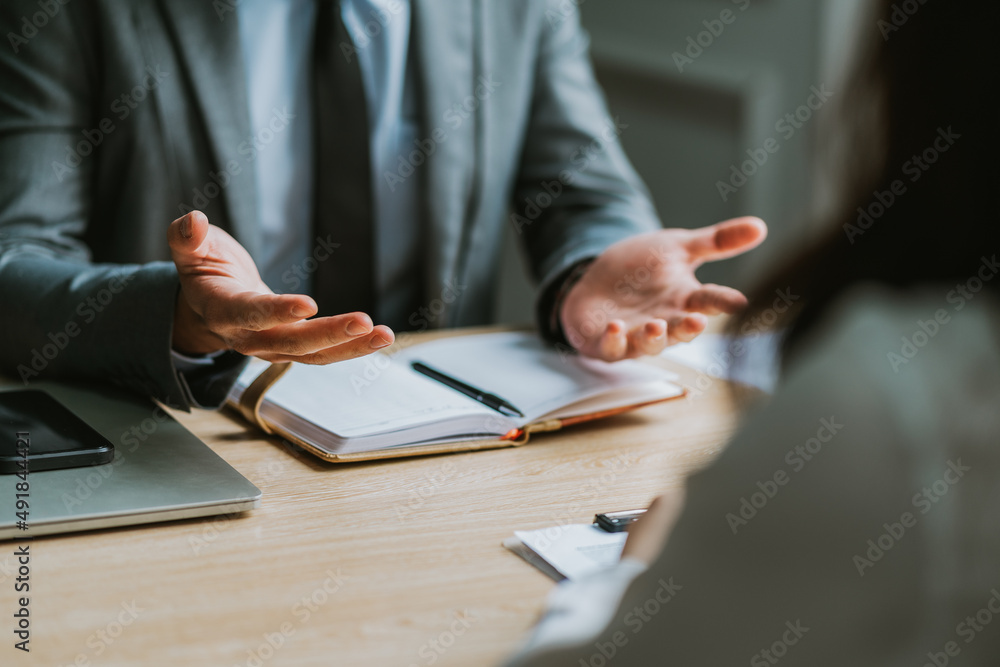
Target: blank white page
<point>336,397</point>
<point>536,378</point>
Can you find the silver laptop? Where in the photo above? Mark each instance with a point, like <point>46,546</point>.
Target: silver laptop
<point>160,472</point>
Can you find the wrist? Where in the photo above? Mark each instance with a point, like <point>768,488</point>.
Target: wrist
<point>573,276</point>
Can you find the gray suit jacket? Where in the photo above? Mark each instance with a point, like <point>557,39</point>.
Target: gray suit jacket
<point>116,116</point>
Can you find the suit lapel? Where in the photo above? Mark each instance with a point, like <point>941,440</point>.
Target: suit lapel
<point>209,47</point>
<point>445,35</point>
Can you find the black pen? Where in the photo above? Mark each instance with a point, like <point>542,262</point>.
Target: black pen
<point>489,400</point>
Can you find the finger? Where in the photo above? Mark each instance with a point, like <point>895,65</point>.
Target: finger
<point>307,337</point>
<point>613,344</point>
<point>715,299</point>
<point>686,328</point>
<point>647,339</point>
<point>379,338</point>
<point>232,315</point>
<point>186,236</point>
<point>726,239</point>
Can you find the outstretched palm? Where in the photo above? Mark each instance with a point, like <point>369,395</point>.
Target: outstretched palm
<point>641,294</point>
<point>223,303</point>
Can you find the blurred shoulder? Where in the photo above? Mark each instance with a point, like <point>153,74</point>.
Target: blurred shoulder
<point>912,354</point>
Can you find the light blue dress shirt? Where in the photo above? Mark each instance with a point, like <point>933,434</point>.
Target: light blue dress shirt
<point>277,41</point>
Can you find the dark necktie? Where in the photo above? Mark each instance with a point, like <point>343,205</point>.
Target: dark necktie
<point>343,191</point>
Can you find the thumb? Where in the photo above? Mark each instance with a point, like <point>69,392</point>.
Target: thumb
<point>187,235</point>
<point>727,239</point>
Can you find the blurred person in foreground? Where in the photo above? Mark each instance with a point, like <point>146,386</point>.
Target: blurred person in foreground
<point>852,520</point>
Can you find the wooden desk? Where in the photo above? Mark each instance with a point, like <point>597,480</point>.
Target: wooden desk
<point>384,564</point>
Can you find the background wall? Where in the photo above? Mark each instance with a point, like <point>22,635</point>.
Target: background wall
<point>701,82</point>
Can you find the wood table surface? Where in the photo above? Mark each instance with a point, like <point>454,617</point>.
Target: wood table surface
<point>392,563</point>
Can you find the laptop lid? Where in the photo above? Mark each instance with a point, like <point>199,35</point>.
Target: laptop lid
<point>160,472</point>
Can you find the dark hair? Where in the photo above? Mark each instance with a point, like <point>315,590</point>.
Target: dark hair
<point>924,91</point>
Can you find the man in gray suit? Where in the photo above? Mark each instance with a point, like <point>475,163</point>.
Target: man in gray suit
<point>118,116</point>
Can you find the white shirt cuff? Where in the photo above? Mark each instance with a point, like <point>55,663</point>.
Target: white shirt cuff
<point>184,364</point>
<point>579,610</point>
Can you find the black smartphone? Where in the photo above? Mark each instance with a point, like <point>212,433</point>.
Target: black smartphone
<point>37,432</point>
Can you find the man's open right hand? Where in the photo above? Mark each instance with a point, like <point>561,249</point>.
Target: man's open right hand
<point>224,304</point>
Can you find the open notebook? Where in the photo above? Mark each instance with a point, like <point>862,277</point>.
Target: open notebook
<point>380,407</point>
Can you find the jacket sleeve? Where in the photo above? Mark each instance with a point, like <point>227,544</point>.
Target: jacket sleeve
<point>65,316</point>
<point>576,192</point>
